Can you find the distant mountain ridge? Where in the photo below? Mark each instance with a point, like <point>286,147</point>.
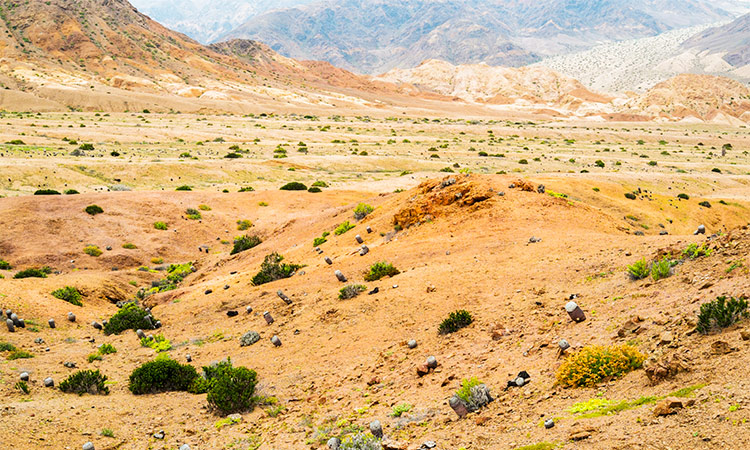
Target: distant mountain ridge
<point>374,36</point>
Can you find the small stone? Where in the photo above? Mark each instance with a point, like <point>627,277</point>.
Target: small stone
<point>267,316</point>
<point>71,317</point>
<point>368,229</point>
<point>458,407</point>
<point>575,312</point>
<point>283,296</point>
<point>69,364</point>
<point>376,429</point>
<point>412,344</point>
<point>39,341</point>
<point>208,291</point>
<point>428,445</point>
<point>232,313</point>
<point>364,250</point>
<point>701,230</point>
<point>96,325</point>
<point>432,362</point>
<point>51,323</point>
<point>374,291</point>
<point>8,313</point>
<point>534,240</point>
<point>721,348</point>
<point>328,260</point>
<point>665,338</point>
<point>88,446</point>
<point>563,344</point>
<point>11,326</point>
<point>422,370</point>
<point>249,309</point>
<point>359,239</point>
<point>249,338</point>
<point>184,447</point>
<point>49,382</point>
<point>549,423</point>
<point>188,358</point>
<point>276,341</point>
<point>140,333</point>
<point>340,276</point>
<point>670,405</point>
<point>745,335</point>
<point>159,435</point>
<point>24,376</point>
<point>519,382</point>
<point>334,443</point>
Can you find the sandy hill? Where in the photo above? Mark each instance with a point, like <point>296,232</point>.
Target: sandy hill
<point>344,363</point>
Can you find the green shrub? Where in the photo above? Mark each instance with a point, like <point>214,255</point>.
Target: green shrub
<point>158,343</point>
<point>160,225</point>
<point>15,142</point>
<point>46,192</point>
<point>69,294</point>
<point>19,354</point>
<point>455,321</point>
<point>321,240</point>
<point>362,210</point>
<point>232,389</point>
<point>184,188</point>
<point>273,269</point>
<point>204,207</point>
<point>599,163</point>
<point>721,313</point>
<point>92,250</point>
<point>595,363</point>
<point>683,196</point>
<point>465,392</point>
<point>320,184</point>
<point>343,228</point>
<point>107,349</point>
<point>161,375</point>
<point>86,147</point>
<point>71,192</point>
<point>232,155</point>
<point>380,270</point>
<point>630,196</point>
<point>705,204</point>
<point>399,410</point>
<point>694,251</point>
<point>193,214</point>
<point>129,317</point>
<point>93,210</point>
<point>7,347</point>
<point>243,243</point>
<point>5,265</point>
<point>94,357</point>
<point>33,273</point>
<point>639,269</point>
<point>107,432</point>
<point>129,246</point>
<point>360,441</point>
<point>246,189</point>
<point>293,186</point>
<point>661,269</point>
<point>244,224</point>
<point>351,291</point>
<point>22,386</point>
<point>314,190</point>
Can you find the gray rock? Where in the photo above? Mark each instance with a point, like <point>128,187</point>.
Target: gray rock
<point>71,317</point>
<point>368,229</point>
<point>24,376</point>
<point>96,325</point>
<point>376,429</point>
<point>563,344</point>
<point>140,333</point>
<point>39,341</point>
<point>159,434</point>
<point>157,325</point>
<point>334,443</point>
<point>412,343</point>
<point>249,338</point>
<point>458,406</point>
<point>267,316</point>
<point>359,239</point>
<point>364,250</point>
<point>575,312</point>
<point>431,362</point>
<point>541,189</point>
<point>340,276</point>
<point>49,382</point>
<point>328,260</point>
<point>276,341</point>
<point>69,364</point>
<point>519,381</point>
<point>534,240</point>
<point>428,445</point>
<point>51,323</point>
<point>549,423</point>
<point>184,447</point>
<point>21,323</point>
<point>8,313</point>
<point>283,296</point>
<point>88,446</point>
<point>11,326</point>
<point>249,309</point>
<point>701,230</point>
<point>188,358</point>
<point>14,318</point>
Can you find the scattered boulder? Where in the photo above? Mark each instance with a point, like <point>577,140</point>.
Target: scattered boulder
<point>671,405</point>
<point>159,435</point>
<point>267,316</point>
<point>24,376</point>
<point>51,323</point>
<point>88,446</point>
<point>412,344</point>
<point>11,325</point>
<point>522,379</point>
<point>334,443</point>
<point>184,447</point>
<point>232,313</point>
<point>721,348</point>
<point>71,317</point>
<point>328,260</point>
<point>701,230</point>
<point>340,276</point>
<point>283,296</point>
<point>276,341</point>
<point>376,429</point>
<point>96,325</point>
<point>575,312</point>
<point>549,423</point>
<point>249,338</point>
<point>49,382</point>
<point>432,362</point>
<point>659,367</point>
<point>359,239</point>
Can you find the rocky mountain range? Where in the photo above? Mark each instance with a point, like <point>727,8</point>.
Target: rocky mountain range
<point>376,36</point>
<point>207,20</point>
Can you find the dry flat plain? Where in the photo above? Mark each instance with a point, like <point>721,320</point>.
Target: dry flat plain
<point>444,214</point>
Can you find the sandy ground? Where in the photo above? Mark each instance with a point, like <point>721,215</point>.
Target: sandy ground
<point>344,363</point>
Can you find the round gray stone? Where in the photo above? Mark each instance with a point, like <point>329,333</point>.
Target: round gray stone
<point>412,343</point>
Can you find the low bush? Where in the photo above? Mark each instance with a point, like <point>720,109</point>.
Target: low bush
<point>129,317</point>
<point>204,207</point>
<point>683,196</point>
<point>93,210</point>
<point>243,243</point>
<point>321,240</point>
<point>661,269</point>
<point>158,343</point>
<point>232,389</point>
<point>721,313</point>
<point>639,269</point>
<point>33,273</point>
<point>246,189</point>
<point>244,224</point>
<point>193,214</point>
<point>161,375</point>
<point>22,386</point>
<point>273,269</point>
<point>184,188</point>
<point>85,382</point>
<point>160,225</point>
<point>7,347</point>
<point>293,186</point>
<point>630,196</point>
<point>343,228</point>
<point>69,294</point>
<point>46,192</point>
<point>595,363</point>
<point>129,246</point>
<point>92,250</point>
<point>19,354</point>
<point>455,321</point>
<point>107,349</point>
<point>5,265</point>
<point>360,441</point>
<point>705,204</point>
<point>362,210</point>
<point>351,291</point>
<point>314,190</point>
<point>380,270</point>
<point>399,410</point>
<point>71,192</point>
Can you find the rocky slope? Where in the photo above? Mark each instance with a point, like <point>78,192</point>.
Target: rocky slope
<point>373,37</point>
<point>730,43</point>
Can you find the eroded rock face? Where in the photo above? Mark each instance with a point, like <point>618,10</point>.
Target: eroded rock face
<point>671,405</point>
<point>661,367</point>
